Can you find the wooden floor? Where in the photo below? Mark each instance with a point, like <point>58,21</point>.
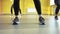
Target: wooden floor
<point>29,24</point>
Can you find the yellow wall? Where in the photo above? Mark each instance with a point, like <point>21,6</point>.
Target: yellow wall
<point>45,6</point>
<point>25,4</point>
<point>52,9</point>
<point>6,4</point>
<point>0,6</point>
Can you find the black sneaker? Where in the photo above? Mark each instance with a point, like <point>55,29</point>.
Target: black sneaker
<point>42,21</point>
<point>56,17</point>
<point>15,21</point>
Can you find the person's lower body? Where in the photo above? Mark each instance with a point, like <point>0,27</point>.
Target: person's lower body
<point>38,8</point>
<point>16,19</point>
<point>56,12</point>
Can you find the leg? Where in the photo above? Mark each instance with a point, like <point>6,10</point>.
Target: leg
<point>16,20</point>
<point>20,11</point>
<point>38,8</point>
<point>56,12</point>
<point>11,9</point>
<point>16,13</point>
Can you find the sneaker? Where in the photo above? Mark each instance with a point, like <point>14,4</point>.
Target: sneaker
<point>56,17</point>
<point>42,21</point>
<point>15,21</point>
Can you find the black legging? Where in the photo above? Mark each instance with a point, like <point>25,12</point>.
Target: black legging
<point>16,7</point>
<point>58,6</point>
<point>57,9</point>
<point>37,6</point>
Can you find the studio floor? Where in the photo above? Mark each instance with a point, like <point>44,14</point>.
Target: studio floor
<point>29,24</point>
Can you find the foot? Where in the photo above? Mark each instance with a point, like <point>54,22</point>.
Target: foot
<point>56,17</point>
<point>15,21</point>
<point>42,20</point>
<point>42,23</point>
